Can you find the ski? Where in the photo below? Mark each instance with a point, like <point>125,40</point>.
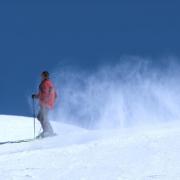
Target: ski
<point>17,141</point>
<point>27,140</point>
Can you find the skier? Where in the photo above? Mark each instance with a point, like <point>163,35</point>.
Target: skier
<point>47,96</point>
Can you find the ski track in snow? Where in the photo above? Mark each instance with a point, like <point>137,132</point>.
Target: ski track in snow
<point>144,153</point>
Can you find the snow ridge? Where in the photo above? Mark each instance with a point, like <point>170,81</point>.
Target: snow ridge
<point>145,153</point>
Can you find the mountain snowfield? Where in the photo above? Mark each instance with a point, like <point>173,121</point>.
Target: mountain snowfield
<point>141,153</point>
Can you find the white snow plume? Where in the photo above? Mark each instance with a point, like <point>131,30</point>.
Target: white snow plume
<point>135,91</point>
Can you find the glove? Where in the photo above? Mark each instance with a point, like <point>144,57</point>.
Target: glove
<point>34,96</point>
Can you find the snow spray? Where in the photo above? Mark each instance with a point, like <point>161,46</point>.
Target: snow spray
<point>127,93</point>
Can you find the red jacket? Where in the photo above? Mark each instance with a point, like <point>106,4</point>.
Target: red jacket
<point>47,94</point>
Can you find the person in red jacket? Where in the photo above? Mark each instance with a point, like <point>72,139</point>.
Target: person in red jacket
<point>47,96</point>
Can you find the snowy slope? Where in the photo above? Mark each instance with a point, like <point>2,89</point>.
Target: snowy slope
<point>144,153</point>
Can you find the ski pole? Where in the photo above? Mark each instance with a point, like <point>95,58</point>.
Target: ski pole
<point>34,114</point>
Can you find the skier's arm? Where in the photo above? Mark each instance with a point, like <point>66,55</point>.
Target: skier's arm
<point>52,90</point>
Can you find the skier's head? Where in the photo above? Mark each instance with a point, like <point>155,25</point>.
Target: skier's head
<point>45,75</point>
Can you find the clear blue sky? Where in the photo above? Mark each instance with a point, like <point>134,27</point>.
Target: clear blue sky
<point>37,36</point>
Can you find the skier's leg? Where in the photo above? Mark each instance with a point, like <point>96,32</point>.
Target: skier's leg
<point>40,116</point>
<point>45,124</point>
<point>47,128</point>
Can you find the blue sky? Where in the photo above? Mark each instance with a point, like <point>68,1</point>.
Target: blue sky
<point>38,36</point>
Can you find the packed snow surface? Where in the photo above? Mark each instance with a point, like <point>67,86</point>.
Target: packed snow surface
<point>141,153</point>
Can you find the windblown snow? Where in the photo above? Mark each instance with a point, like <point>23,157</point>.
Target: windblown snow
<point>143,153</point>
